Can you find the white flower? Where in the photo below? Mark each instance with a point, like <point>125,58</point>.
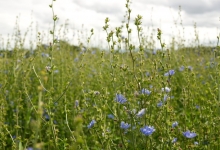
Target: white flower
<point>141,112</point>
<point>166,89</point>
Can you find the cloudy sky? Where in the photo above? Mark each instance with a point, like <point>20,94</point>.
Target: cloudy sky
<point>83,15</point>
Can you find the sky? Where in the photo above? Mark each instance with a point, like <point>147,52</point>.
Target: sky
<point>80,16</point>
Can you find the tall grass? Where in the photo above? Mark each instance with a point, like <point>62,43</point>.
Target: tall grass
<point>68,97</point>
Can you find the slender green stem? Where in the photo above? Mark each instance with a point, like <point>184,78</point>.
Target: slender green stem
<point>67,123</point>
<point>130,46</point>
<point>53,44</point>
<point>10,135</point>
<point>39,79</point>
<point>119,119</point>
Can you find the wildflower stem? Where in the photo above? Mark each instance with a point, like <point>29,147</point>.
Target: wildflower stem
<point>39,79</point>
<point>139,29</point>
<point>53,129</point>
<point>119,120</point>
<point>130,46</point>
<point>10,135</point>
<point>145,143</point>
<point>32,103</point>
<point>111,49</point>
<point>133,133</point>
<point>53,42</point>
<point>64,91</point>
<point>67,123</point>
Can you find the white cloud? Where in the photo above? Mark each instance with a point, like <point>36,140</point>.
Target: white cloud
<point>92,14</point>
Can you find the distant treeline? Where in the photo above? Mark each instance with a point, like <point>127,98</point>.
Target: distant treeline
<point>63,45</point>
<point>201,50</point>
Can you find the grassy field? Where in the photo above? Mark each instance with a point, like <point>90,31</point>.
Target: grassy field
<point>79,97</point>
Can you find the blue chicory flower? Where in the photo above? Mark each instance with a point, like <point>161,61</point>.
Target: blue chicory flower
<point>76,59</point>
<point>147,130</point>
<point>197,107</point>
<point>111,116</point>
<point>147,74</point>
<point>14,136</point>
<point>159,104</point>
<point>76,103</point>
<point>189,134</point>
<point>145,91</point>
<point>181,68</point>
<point>174,140</point>
<point>174,124</point>
<point>91,124</point>
<point>45,55</point>
<point>120,98</point>
<point>124,125</point>
<point>190,68</point>
<point>46,116</point>
<point>55,122</point>
<point>165,97</point>
<point>169,73</point>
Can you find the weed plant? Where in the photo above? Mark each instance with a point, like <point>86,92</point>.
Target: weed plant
<point>65,97</point>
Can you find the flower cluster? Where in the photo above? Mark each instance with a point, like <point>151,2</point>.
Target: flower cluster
<point>160,104</point>
<point>147,130</point>
<point>91,124</point>
<point>169,73</point>
<point>145,91</point>
<point>124,125</point>
<point>189,134</point>
<point>120,98</point>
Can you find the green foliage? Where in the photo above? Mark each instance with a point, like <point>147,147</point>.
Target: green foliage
<point>50,95</point>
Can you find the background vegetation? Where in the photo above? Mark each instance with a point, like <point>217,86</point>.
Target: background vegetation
<point>131,96</point>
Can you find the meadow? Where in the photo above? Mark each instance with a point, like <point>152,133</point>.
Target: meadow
<point>129,96</point>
